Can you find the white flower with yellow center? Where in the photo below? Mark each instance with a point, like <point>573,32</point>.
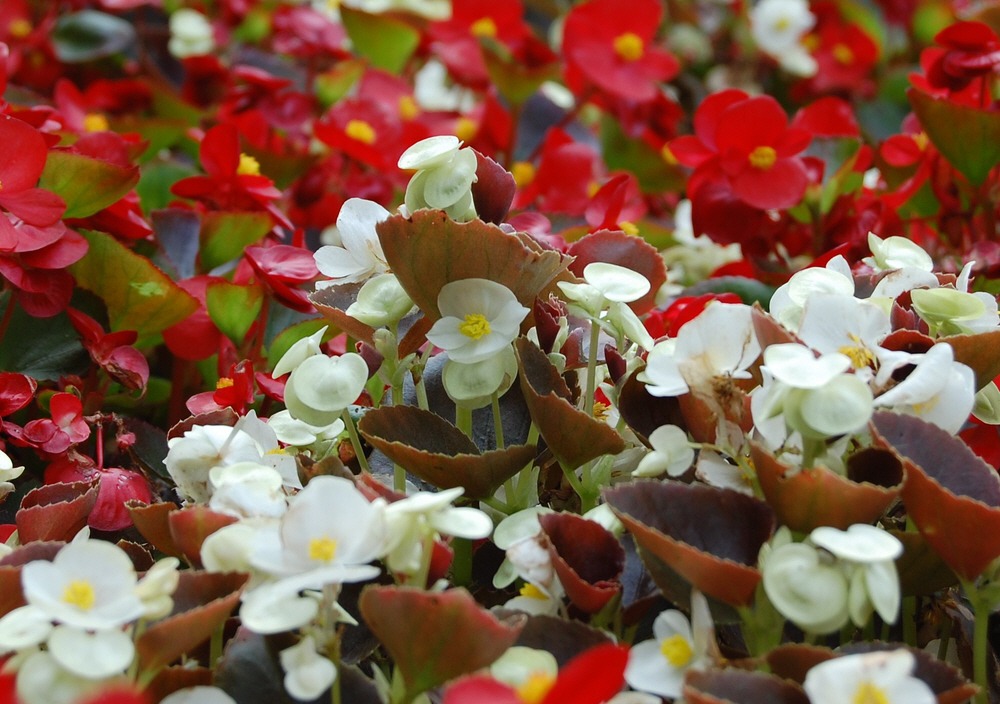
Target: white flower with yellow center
<point>881,677</point>
<point>360,255</point>
<point>190,34</point>
<point>657,666</point>
<point>479,318</point>
<point>789,300</point>
<point>778,27</point>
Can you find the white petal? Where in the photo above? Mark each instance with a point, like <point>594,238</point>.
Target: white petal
<point>648,671</point>
<point>94,655</point>
<point>859,543</point>
<point>464,522</point>
<point>24,627</point>
<point>617,283</point>
<point>796,365</point>
<point>429,152</point>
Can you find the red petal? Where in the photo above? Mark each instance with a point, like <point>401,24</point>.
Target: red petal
<point>20,167</point>
<point>750,123</point>
<point>35,206</point>
<point>781,186</point>
<point>706,119</point>
<point>220,152</point>
<point>592,677</point>
<point>480,689</point>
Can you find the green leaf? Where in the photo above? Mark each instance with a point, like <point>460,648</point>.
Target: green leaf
<point>53,348</point>
<point>88,35</point>
<point>749,290</point>
<point>233,308</point>
<point>516,81</point>
<point>138,295</point>
<point>387,42</point>
<point>290,335</point>
<point>626,154</point>
<point>155,182</point>
<point>968,138</point>
<point>85,183</point>
<point>225,235</point>
<point>333,85</point>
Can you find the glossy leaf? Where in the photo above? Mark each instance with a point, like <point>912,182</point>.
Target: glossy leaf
<point>644,412</point>
<point>87,35</point>
<point>430,250</point>
<point>138,295</point>
<point>434,636</point>
<point>968,138</point>
<point>563,639</point>
<point>86,184</point>
<point>709,536</point>
<point>55,350</point>
<point>732,685</point>
<point>56,511</point>
<point>385,41</point>
<point>587,557</point>
<point>234,308</point>
<point>152,522</point>
<point>573,437</point>
<point>191,525</point>
<point>225,234</point>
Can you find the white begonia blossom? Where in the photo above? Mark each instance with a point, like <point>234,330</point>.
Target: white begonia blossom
<point>868,556</point>
<point>473,385</point>
<point>42,680</point>
<point>671,453</point>
<point>322,387</point>
<point>412,520</point>
<point>658,665</point>
<point>897,253</point>
<point>91,654</point>
<point>90,584</point>
<point>330,531</point>
<point>198,695</point>
<point>479,318</point>
<point>883,676</point>
<point>433,91</point>
<point>808,590</point>
<point>299,433</point>
<point>190,34</point>
<point>381,302</point>
<point>778,27</point>
<point>8,473</point>
<point>842,323</point>
<point>360,254</point>
<point>307,673</point>
<point>788,302</point>
<point>299,352</point>
<point>938,390</point>
<point>603,297</point>
<point>948,311</point>
<point>513,529</point>
<point>246,489</point>
<point>230,548</point>
<point>719,342</point>
<point>519,663</point>
<point>444,176</point>
<point>157,586</point>
<point>713,469</point>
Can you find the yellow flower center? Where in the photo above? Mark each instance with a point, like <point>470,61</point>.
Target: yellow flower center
<point>523,173</point>
<point>322,549</point>
<point>629,46</point>
<point>248,166</point>
<point>763,157</point>
<point>96,122</point>
<point>361,131</point>
<point>80,593</point>
<point>921,140</point>
<point>475,326</point>
<point>869,693</point>
<point>408,108</point>
<point>19,28</point>
<point>668,156</point>
<point>859,355</point>
<point>465,128</point>
<point>842,54</point>
<point>224,383</point>
<point>601,410</point>
<point>484,27</point>
<point>628,227</point>
<point>592,188</point>
<point>535,687</point>
<point>782,23</point>
<point>677,650</point>
<point>532,592</point>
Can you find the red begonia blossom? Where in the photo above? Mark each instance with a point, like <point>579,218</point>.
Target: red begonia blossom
<point>113,352</point>
<point>281,268</point>
<point>65,428</point>
<point>19,172</point>
<point>970,50</point>
<point>456,40</point>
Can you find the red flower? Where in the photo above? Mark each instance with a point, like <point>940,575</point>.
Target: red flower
<point>282,267</point>
<point>613,49</point>
<point>592,677</point>
<point>234,181</point>
<point>33,259</point>
<point>112,351</point>
<point>563,181</point>
<point>845,54</point>
<point>456,40</point>
<point>747,143</point>
<point>971,50</point>
<point>235,391</point>
<point>20,169</point>
<point>116,486</point>
<point>65,428</point>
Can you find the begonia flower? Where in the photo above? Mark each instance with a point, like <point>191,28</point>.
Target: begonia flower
<point>805,589</point>
<point>190,34</point>
<point>300,350</point>
<point>381,302</point>
<point>360,254</point>
<point>479,318</point>
<point>444,176</point>
<point>321,387</point>
<point>779,27</point>
<point>671,453</point>
<point>882,676</point>
<point>307,673</point>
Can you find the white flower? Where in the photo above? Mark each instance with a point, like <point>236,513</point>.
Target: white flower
<point>91,654</point>
<point>519,664</point>
<point>307,673</point>
<point>418,516</point>
<point>789,299</point>
<point>603,296</point>
<point>380,302</point>
<point>299,433</point>
<point>837,322</point>
<point>778,27</point>
<point>897,253</point>
<point>246,489</point>
<point>361,255</point>
<point>867,554</point>
<point>479,318</point>
<point>42,680</point>
<point>155,589</point>
<point>8,472</point>
<point>513,529</point>
<point>321,387</point>
<point>444,176</point>
<point>671,453</point>
<point>805,589</point>
<point>230,548</point>
<point>299,352</point>
<point>198,695</point>
<point>473,385</point>
<point>190,34</point>
<point>678,645</point>
<point>949,311</point>
<point>542,592</point>
<point>882,676</point>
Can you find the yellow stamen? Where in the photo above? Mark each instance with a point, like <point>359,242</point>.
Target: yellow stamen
<point>601,410</point>
<point>668,156</point>
<point>248,166</point>
<point>408,108</point>
<point>677,650</point>
<point>484,27</point>
<point>592,188</point>
<point>523,173</point>
<point>782,24</point>
<point>19,28</point>
<point>535,687</point>
<point>921,140</point>
<point>322,549</point>
<point>96,122</point>
<point>629,228</point>
<point>466,128</point>
<point>763,157</point>
<point>843,55</point>
<point>532,592</point>
<point>629,46</point>
<point>869,693</point>
<point>224,383</point>
<point>475,326</point>
<point>80,593</point>
<point>859,355</point>
<point>361,131</point>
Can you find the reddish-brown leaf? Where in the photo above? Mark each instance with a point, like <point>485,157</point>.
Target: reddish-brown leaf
<point>56,511</point>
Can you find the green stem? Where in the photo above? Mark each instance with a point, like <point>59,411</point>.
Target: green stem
<point>980,641</point>
<point>463,420</point>
<point>497,421</point>
<point>588,393</point>
<point>352,433</point>
<point>909,616</point>
<point>215,645</point>
<point>461,565</point>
